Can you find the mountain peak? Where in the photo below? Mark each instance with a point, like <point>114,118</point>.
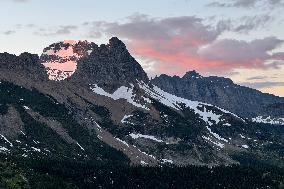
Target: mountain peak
<point>26,63</point>
<point>110,66</point>
<point>191,74</point>
<point>61,59</point>
<point>29,58</point>
<point>24,59</point>
<point>114,42</point>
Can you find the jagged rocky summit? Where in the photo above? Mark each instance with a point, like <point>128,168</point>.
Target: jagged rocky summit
<point>108,65</point>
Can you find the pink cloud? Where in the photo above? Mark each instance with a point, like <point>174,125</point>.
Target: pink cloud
<point>179,44</point>
<point>175,58</point>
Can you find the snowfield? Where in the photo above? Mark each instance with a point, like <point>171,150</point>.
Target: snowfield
<point>124,119</point>
<point>165,98</point>
<point>136,136</point>
<point>121,93</point>
<point>177,103</point>
<point>269,120</point>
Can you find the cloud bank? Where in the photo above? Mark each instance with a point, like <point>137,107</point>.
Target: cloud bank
<point>248,3</point>
<point>184,43</point>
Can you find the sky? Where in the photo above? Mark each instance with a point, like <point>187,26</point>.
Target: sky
<point>239,39</point>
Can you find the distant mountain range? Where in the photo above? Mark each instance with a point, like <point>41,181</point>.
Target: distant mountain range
<point>222,92</point>
<point>106,111</point>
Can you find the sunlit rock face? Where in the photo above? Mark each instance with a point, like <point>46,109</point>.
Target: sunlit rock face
<point>60,59</point>
<point>109,65</point>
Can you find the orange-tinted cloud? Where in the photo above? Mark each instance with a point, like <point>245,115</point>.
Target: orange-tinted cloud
<point>221,56</point>
<point>179,44</point>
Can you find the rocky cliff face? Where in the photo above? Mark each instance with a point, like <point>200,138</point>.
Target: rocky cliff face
<point>25,64</point>
<point>110,66</point>
<point>221,92</point>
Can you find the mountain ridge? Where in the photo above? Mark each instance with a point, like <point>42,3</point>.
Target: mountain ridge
<point>129,118</point>
<point>221,92</point>
<point>111,66</point>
